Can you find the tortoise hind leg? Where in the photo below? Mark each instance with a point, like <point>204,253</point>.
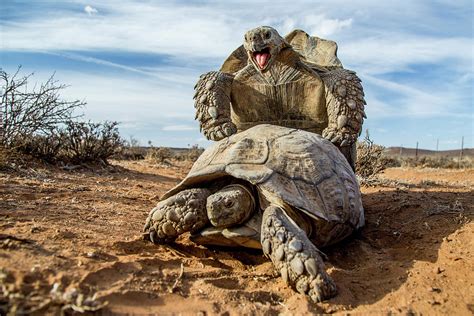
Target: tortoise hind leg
<point>180,213</point>
<point>294,255</point>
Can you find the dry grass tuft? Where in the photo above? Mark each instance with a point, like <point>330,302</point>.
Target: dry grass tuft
<point>370,158</point>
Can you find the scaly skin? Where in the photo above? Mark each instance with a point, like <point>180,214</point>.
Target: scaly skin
<point>230,206</point>
<point>295,256</point>
<point>180,213</point>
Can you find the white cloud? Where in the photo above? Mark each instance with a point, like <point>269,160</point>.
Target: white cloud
<point>397,52</point>
<point>90,10</point>
<point>315,24</point>
<point>213,30</point>
<point>377,39</point>
<point>179,128</point>
<point>411,101</point>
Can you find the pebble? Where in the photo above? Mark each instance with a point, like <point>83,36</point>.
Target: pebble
<point>438,270</point>
<point>284,274</point>
<point>434,289</point>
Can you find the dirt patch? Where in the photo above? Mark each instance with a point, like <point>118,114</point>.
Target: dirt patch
<point>80,232</point>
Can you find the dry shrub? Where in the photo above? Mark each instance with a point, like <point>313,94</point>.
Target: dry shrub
<point>436,162</point>
<point>45,146</point>
<point>76,142</point>
<point>193,153</point>
<point>32,111</point>
<point>131,150</point>
<point>168,155</point>
<point>89,142</point>
<point>6,159</point>
<point>159,154</point>
<point>370,158</point>
<point>39,123</point>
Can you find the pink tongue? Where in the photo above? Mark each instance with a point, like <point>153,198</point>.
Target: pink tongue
<point>262,59</point>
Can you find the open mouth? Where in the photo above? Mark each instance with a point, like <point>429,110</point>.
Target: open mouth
<point>262,57</point>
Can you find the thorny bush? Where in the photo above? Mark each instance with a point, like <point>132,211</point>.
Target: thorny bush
<point>38,122</point>
<point>370,158</point>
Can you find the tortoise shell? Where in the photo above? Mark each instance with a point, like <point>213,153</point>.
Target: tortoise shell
<point>291,166</point>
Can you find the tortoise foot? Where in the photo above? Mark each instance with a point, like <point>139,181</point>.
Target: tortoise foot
<point>180,213</point>
<point>295,256</point>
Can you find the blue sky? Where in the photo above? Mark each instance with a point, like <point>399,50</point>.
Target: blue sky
<point>136,62</point>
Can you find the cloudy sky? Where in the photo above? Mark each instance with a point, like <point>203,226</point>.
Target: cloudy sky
<point>136,62</point>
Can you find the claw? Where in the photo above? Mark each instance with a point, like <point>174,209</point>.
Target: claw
<point>154,237</point>
<point>220,135</point>
<point>345,142</point>
<point>336,139</point>
<point>147,225</point>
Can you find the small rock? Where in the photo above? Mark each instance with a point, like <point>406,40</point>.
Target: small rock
<point>284,274</point>
<point>434,289</point>
<point>438,270</point>
<point>92,254</point>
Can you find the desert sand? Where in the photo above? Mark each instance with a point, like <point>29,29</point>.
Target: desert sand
<point>65,234</point>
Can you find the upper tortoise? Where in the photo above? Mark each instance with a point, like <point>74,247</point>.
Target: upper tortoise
<point>296,82</point>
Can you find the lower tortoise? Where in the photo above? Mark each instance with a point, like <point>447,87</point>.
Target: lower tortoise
<point>285,191</point>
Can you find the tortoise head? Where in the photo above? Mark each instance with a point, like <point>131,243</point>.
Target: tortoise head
<point>232,205</point>
<point>263,44</point>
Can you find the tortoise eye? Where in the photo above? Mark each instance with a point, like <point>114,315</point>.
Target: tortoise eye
<point>228,203</point>
<point>267,35</point>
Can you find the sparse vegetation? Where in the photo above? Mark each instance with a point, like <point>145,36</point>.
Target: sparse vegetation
<point>191,154</point>
<point>159,154</point>
<point>27,112</point>
<point>370,158</point>
<point>39,123</point>
<point>433,162</point>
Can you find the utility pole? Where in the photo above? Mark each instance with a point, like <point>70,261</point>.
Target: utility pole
<point>462,147</point>
<point>416,151</point>
<point>437,145</point>
<point>401,150</point>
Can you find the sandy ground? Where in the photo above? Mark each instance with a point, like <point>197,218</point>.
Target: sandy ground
<point>72,240</point>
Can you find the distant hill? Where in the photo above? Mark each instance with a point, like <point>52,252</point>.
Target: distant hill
<point>410,152</point>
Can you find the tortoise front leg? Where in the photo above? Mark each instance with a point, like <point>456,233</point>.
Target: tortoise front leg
<point>294,255</point>
<point>180,213</point>
<point>213,105</point>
